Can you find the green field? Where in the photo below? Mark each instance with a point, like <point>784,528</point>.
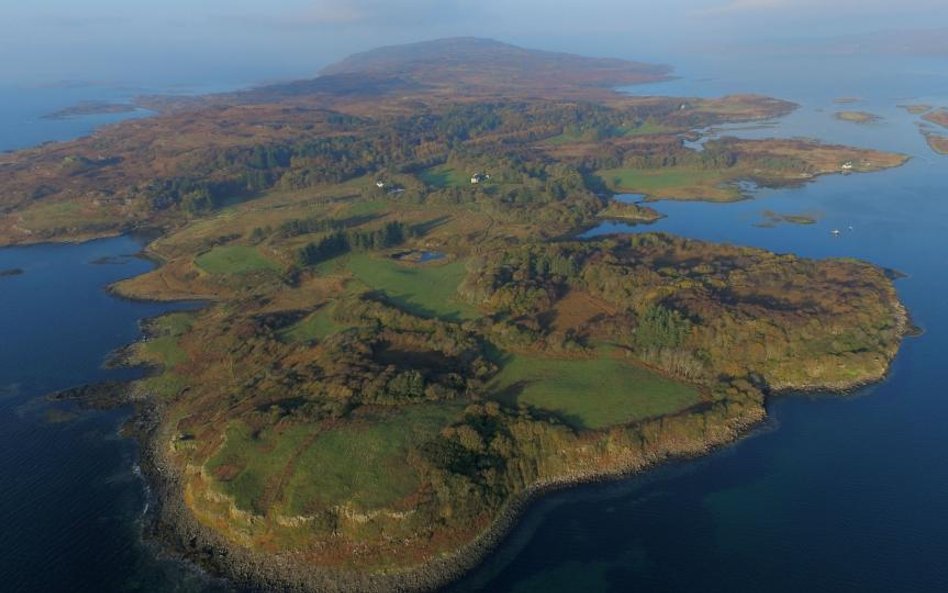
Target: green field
<point>315,326</point>
<point>163,345</point>
<point>649,128</point>
<point>247,463</point>
<point>591,393</point>
<point>445,176</point>
<point>234,259</point>
<point>62,215</point>
<point>167,384</point>
<point>429,290</point>
<point>364,462</point>
<point>652,180</point>
<point>645,129</point>
<point>367,207</point>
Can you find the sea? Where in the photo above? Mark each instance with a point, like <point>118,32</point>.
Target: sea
<point>834,493</point>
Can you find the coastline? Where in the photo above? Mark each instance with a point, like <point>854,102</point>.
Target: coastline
<point>177,531</point>
<point>174,529</point>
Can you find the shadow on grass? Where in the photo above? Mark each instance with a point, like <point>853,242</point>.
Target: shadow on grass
<point>423,228</point>
<point>510,396</point>
<point>404,304</point>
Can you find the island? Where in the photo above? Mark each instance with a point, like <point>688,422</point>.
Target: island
<point>931,115</point>
<point>857,117</point>
<point>938,142</point>
<point>405,338</point>
<point>772,219</point>
<point>86,108</point>
<point>916,108</point>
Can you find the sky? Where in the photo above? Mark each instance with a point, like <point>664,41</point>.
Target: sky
<point>248,41</point>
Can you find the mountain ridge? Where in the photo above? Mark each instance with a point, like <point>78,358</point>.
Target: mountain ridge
<point>479,60</point>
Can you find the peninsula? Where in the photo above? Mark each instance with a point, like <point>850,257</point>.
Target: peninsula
<point>937,142</point>
<point>937,117</point>
<point>404,338</point>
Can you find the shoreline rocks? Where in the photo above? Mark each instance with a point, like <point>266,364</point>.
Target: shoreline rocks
<point>178,532</point>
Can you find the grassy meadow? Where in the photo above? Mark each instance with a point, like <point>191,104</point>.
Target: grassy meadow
<point>234,259</point>
<point>315,326</point>
<point>306,468</point>
<point>427,290</point>
<point>591,394</point>
<point>364,462</point>
<point>445,176</point>
<point>674,183</point>
<point>163,347</point>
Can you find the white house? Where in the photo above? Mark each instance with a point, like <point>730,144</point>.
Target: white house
<point>478,177</point>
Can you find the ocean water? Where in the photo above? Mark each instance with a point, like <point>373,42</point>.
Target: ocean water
<point>23,108</point>
<point>835,494</point>
<point>72,500</point>
<point>832,494</point>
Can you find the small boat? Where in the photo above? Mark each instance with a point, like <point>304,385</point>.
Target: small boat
<point>835,232</point>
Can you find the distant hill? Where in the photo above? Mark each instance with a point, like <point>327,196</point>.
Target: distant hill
<point>439,70</point>
<point>486,62</point>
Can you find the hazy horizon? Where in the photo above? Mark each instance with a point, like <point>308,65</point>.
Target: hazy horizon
<point>244,41</point>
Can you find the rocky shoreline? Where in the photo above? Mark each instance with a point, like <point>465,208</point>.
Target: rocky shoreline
<point>904,327</point>
<point>176,528</point>
<point>177,532</point>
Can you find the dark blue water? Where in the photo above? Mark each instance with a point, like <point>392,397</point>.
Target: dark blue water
<point>835,494</point>
<point>72,501</point>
